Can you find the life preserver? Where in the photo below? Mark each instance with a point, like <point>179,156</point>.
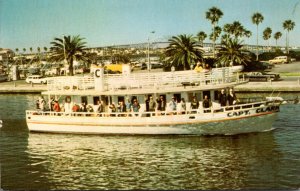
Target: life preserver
<point>68,99</point>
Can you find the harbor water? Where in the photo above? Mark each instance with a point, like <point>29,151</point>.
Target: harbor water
<point>268,160</point>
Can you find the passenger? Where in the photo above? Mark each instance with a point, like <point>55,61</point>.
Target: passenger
<point>42,104</point>
<point>75,108</point>
<point>172,105</point>
<point>206,104</point>
<point>195,103</point>
<point>83,107</point>
<point>122,107</point>
<point>100,106</point>
<point>113,108</point>
<point>232,99</point>
<point>152,104</point>
<point>181,106</point>
<point>128,105</point>
<point>135,106</point>
<point>222,98</point>
<point>68,108</point>
<point>56,106</point>
<point>198,67</point>
<point>37,104</point>
<point>51,103</point>
<point>161,104</point>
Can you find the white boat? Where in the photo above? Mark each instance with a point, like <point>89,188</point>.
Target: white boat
<point>244,117</point>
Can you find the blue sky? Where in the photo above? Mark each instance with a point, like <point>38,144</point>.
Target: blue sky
<point>35,23</point>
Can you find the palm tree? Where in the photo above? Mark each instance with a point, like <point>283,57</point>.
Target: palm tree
<point>231,53</point>
<point>256,19</point>
<point>17,50</point>
<point>277,36</point>
<point>183,51</point>
<point>201,36</point>
<point>214,14</point>
<point>237,29</point>
<point>267,34</point>
<point>215,35</point>
<point>39,53</point>
<point>69,49</point>
<point>288,25</point>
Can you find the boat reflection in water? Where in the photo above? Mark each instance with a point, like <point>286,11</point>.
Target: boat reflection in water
<point>154,162</point>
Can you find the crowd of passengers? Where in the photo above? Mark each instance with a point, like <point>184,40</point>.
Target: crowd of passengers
<point>160,105</point>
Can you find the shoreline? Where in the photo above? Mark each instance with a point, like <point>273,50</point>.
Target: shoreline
<point>290,84</point>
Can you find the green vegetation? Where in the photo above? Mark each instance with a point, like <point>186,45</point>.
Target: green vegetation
<point>69,49</point>
<point>231,53</point>
<point>183,51</point>
<point>214,14</point>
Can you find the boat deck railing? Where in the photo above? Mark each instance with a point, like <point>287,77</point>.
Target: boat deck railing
<point>234,108</point>
<point>157,80</point>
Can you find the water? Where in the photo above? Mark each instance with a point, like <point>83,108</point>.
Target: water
<point>269,160</point>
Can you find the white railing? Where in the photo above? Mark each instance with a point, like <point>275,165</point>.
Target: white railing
<point>226,109</point>
<point>158,80</point>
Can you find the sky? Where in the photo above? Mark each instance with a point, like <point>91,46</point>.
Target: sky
<point>35,23</point>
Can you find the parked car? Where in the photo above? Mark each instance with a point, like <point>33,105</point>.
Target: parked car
<point>262,76</point>
<point>156,65</point>
<point>36,79</point>
<point>280,60</point>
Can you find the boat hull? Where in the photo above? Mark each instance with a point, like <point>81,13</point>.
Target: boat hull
<point>192,124</point>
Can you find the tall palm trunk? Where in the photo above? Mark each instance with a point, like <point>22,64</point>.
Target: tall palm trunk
<point>256,42</point>
<point>287,42</point>
<point>71,68</point>
<point>214,39</point>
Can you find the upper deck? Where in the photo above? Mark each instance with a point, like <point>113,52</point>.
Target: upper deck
<point>141,83</point>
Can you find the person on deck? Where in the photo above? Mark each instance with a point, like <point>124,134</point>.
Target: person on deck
<point>198,67</point>
<point>223,98</point>
<point>206,103</point>
<point>195,103</point>
<point>232,99</point>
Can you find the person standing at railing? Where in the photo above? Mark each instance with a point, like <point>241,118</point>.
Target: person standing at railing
<point>172,105</point>
<point>198,67</point>
<point>42,103</point>
<point>128,105</point>
<point>161,104</point>
<point>56,106</point>
<point>152,104</point>
<point>232,99</point>
<point>181,106</point>
<point>206,103</point>
<point>195,103</point>
<point>222,98</point>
